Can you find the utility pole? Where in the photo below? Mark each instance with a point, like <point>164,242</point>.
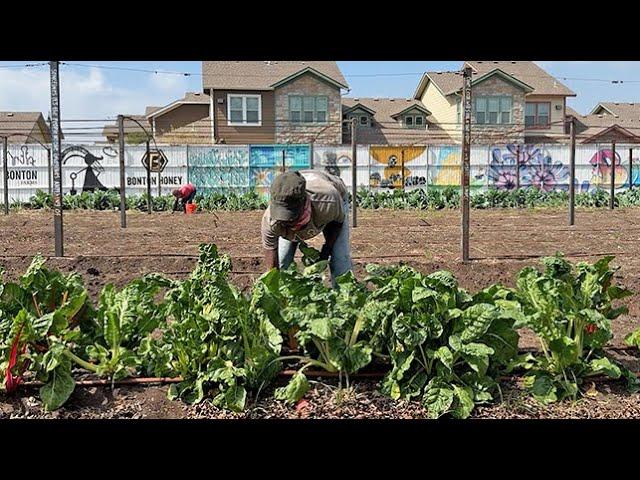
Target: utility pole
<point>148,179</point>
<point>466,161</point>
<point>612,195</point>
<point>354,174</point>
<point>56,147</point>
<point>5,172</point>
<point>572,172</point>
<point>123,199</point>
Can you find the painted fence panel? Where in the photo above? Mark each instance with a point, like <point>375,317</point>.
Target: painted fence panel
<point>224,168</point>
<point>28,171</point>
<point>219,168</point>
<point>337,161</point>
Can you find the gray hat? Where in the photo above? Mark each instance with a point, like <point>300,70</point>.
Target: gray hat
<point>288,196</point>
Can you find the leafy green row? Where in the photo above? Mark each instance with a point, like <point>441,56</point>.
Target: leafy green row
<point>440,344</point>
<point>423,199</point>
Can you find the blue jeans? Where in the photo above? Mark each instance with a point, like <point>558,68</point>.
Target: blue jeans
<point>340,259</point>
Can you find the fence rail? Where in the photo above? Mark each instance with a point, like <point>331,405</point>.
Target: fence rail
<point>240,168</point>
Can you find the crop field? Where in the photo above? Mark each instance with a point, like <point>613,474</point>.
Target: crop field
<point>503,242</point>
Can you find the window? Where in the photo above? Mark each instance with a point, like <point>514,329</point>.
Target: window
<point>493,110</point>
<point>308,109</point>
<point>364,120</point>
<point>419,121</point>
<point>408,121</point>
<point>536,115</point>
<point>244,110</point>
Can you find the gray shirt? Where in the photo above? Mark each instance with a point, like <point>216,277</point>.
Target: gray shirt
<point>328,194</point>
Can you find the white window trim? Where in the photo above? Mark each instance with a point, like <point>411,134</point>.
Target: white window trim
<point>244,110</point>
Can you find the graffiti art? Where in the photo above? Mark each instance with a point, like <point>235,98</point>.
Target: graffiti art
<point>392,159</point>
<point>92,170</point>
<point>537,168</point>
<point>23,158</point>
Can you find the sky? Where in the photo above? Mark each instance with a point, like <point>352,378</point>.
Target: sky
<point>90,92</point>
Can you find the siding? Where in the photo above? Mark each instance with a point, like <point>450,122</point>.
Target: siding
<point>556,115</point>
<point>443,109</point>
<point>188,123</point>
<point>237,135</point>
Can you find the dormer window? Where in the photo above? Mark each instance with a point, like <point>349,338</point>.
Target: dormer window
<point>414,121</point>
<point>364,120</point>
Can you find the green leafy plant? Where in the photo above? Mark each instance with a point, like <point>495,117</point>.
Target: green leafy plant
<point>570,309</point>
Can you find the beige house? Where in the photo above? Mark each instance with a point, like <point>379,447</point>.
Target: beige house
<point>391,121</point>
<point>24,127</point>
<point>512,102</point>
<point>608,121</point>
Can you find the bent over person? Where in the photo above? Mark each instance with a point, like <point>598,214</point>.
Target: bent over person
<point>184,195</point>
<point>304,204</point>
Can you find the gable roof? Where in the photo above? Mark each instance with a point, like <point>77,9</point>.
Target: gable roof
<point>590,127</point>
<point>630,111</point>
<point>528,72</point>
<point>189,98</point>
<point>386,130</point>
<point>264,75</point>
<point>23,123</point>
<point>505,76</point>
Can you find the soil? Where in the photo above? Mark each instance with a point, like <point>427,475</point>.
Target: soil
<point>501,243</point>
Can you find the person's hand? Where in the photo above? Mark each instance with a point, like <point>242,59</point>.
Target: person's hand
<point>325,252</point>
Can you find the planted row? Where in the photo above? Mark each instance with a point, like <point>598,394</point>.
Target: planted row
<point>440,345</point>
<point>423,199</point>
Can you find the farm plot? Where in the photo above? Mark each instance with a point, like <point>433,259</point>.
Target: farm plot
<point>502,243</point>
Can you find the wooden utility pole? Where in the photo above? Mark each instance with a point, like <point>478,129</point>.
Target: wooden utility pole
<point>354,173</point>
<point>466,162</point>
<point>5,173</point>
<point>612,193</point>
<point>148,179</point>
<point>56,148</point>
<point>572,172</point>
<point>123,198</point>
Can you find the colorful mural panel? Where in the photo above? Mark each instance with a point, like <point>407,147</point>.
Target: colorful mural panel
<point>219,169</point>
<point>387,167</point>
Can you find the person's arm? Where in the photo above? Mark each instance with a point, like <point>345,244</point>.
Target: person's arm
<point>331,232</point>
<point>175,205</point>
<point>271,258</point>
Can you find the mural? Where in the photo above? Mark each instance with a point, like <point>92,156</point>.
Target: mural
<point>445,164</point>
<point>537,168</point>
<point>337,161</point>
<point>221,168</point>
<point>266,161</point>
<point>387,170</point>
<point>602,162</point>
<point>91,171</point>
<point>22,167</point>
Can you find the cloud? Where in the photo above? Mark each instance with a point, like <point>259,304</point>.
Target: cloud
<point>87,93</point>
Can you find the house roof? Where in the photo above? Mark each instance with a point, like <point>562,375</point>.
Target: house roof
<point>594,125</point>
<point>129,126</point>
<point>386,129</point>
<point>528,73</point>
<point>264,75</point>
<point>189,98</point>
<point>627,111</point>
<point>23,123</point>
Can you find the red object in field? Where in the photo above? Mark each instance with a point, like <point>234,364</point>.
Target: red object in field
<point>591,328</point>
<point>191,208</point>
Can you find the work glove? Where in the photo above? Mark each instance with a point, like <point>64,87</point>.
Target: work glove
<point>325,252</point>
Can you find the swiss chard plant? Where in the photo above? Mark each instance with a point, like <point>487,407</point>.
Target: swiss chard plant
<point>445,346</point>
<point>41,317</point>
<point>570,309</point>
<point>212,338</point>
<point>329,323</point>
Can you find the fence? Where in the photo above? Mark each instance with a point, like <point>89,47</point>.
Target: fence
<point>225,168</point>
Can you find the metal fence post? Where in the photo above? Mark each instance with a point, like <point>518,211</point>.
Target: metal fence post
<point>612,196</point>
<point>123,200</point>
<point>5,173</point>
<point>56,145</point>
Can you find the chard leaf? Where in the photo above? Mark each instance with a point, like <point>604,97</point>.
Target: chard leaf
<point>605,366</point>
<point>464,404</point>
<point>295,389</point>
<point>58,388</point>
<point>438,398</point>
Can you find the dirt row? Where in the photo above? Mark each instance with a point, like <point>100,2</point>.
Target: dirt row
<point>502,242</point>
